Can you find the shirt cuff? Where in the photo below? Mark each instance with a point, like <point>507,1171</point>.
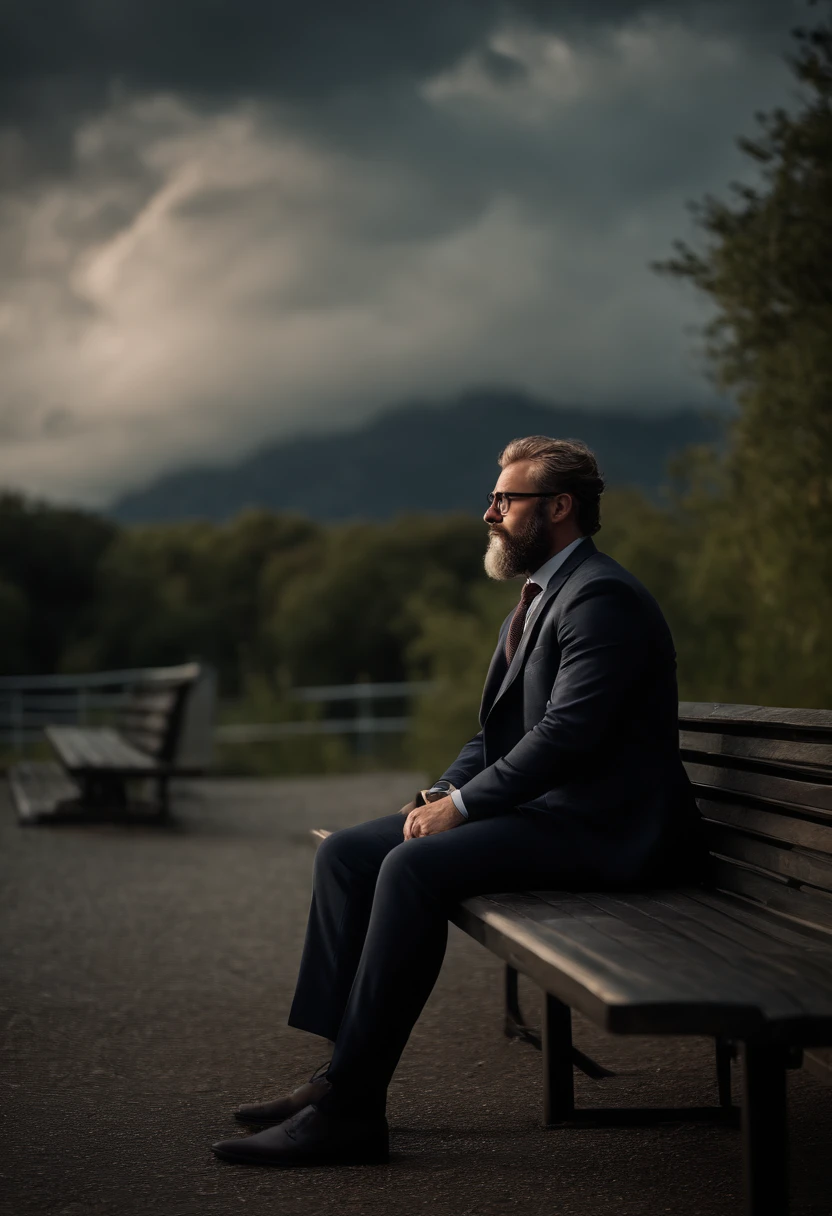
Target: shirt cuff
<point>456,798</point>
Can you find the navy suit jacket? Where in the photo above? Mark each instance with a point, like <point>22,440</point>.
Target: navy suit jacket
<point>582,727</point>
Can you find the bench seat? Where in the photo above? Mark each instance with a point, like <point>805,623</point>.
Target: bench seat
<point>101,749</point>
<point>677,961</point>
<point>39,787</point>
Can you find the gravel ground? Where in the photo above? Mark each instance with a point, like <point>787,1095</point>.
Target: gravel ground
<point>147,977</point>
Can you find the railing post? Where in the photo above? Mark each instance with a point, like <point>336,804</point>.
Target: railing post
<point>17,721</point>
<point>365,717</point>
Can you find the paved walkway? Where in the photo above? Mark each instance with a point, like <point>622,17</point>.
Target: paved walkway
<point>147,975</point>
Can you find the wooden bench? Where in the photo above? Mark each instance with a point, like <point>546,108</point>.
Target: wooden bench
<point>744,958</point>
<point>97,763</point>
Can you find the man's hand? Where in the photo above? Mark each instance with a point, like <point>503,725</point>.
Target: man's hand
<point>438,816</point>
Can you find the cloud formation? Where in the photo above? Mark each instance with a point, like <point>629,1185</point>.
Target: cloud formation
<point>278,218</point>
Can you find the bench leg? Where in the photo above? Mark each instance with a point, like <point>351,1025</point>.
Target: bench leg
<point>162,798</point>
<point>514,1027</point>
<point>558,1080</point>
<point>765,1130</point>
<point>103,792</point>
<point>724,1056</point>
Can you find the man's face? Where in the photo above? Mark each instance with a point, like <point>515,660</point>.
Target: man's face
<point>522,540</point>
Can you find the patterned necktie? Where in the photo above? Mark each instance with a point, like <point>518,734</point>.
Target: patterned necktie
<point>515,629</point>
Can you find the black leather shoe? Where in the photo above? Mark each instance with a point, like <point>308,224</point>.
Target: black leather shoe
<point>312,1137</point>
<point>266,1114</point>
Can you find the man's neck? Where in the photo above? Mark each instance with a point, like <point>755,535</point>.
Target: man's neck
<point>563,542</point>
<point>543,572</point>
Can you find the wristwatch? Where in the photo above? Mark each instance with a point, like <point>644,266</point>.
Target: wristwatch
<point>439,789</point>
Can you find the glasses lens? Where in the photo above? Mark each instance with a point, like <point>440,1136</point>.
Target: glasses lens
<point>499,501</point>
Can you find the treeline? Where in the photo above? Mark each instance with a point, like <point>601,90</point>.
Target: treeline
<point>276,602</point>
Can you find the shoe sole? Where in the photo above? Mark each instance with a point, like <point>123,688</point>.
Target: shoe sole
<point>262,1122</point>
<point>329,1159</point>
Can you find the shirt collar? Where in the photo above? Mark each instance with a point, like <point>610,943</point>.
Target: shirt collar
<point>542,576</point>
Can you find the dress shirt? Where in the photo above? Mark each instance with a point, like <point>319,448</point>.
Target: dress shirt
<point>542,578</point>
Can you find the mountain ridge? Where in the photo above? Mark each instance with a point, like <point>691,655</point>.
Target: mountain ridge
<point>415,457</point>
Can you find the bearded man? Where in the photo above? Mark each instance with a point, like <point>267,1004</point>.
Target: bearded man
<point>574,780</point>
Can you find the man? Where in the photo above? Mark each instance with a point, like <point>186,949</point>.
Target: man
<point>573,780</point>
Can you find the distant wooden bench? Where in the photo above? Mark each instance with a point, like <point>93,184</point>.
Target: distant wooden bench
<point>97,763</point>
<point>745,958</point>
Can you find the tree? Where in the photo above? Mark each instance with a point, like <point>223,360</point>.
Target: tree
<point>766,265</point>
<point>48,561</point>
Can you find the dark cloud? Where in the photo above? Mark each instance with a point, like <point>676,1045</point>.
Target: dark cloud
<point>61,61</point>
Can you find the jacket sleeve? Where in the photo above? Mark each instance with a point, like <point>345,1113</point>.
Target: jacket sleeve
<point>469,762</point>
<point>604,641</point>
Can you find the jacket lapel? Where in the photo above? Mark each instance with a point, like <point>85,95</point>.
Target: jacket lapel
<point>575,558</point>
<point>496,670</point>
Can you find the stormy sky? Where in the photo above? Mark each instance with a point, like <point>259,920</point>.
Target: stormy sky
<point>223,221</point>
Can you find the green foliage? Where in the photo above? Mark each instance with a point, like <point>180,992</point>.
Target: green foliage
<point>766,268</point>
<point>453,650</point>
<point>48,562</point>
<point>165,594</point>
<point>346,613</point>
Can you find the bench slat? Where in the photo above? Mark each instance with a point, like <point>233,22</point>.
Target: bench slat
<point>37,787</point>
<point>810,942</point>
<point>791,752</point>
<point>762,719</point>
<point>154,720</point>
<point>800,904</point>
<point>767,787</point>
<point>150,742</point>
<point>97,749</point>
<point>774,823</point>
<point>784,860</point>
<point>148,697</point>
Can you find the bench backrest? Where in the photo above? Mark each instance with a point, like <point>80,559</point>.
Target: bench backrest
<point>152,713</point>
<point>763,781</point>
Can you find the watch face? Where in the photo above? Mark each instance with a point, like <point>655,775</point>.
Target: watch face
<point>432,795</point>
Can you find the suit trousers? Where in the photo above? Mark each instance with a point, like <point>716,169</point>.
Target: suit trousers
<point>378,930</point>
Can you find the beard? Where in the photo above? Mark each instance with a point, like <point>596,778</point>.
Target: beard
<point>510,554</point>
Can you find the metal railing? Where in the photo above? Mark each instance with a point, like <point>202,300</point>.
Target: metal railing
<point>362,723</point>
<point>28,703</point>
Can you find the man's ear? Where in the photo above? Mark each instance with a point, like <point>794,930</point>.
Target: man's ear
<point>562,507</point>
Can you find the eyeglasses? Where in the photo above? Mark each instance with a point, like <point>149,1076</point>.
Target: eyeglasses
<point>502,499</point>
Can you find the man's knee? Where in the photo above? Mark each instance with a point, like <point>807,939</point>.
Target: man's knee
<point>334,849</point>
<point>407,861</point>
<point>348,848</point>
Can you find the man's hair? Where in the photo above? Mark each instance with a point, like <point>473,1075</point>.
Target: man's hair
<point>565,466</point>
